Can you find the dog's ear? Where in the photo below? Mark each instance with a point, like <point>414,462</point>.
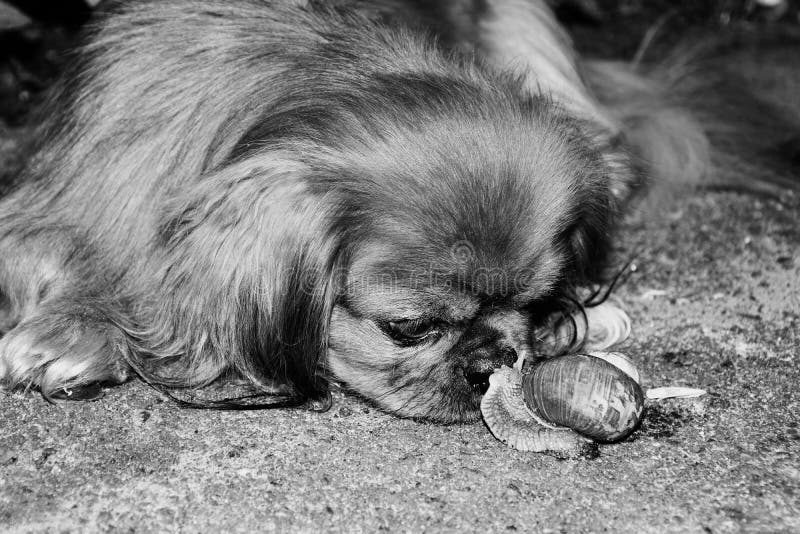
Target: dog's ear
<point>245,283</point>
<point>621,169</point>
<point>610,177</point>
<point>588,236</point>
<point>625,171</point>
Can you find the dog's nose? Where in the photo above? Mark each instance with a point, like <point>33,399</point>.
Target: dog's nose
<point>482,365</point>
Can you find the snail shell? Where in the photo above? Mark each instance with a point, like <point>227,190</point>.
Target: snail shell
<point>608,325</point>
<point>619,360</point>
<point>585,393</point>
<point>596,328</point>
<point>511,421</point>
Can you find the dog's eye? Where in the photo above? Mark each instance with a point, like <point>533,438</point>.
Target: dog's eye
<point>407,332</point>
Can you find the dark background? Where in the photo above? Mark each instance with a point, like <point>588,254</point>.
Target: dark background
<point>33,41</point>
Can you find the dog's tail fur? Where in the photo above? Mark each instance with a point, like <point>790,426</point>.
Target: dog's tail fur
<point>694,119</point>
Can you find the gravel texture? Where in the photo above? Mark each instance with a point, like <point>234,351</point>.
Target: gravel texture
<point>715,302</point>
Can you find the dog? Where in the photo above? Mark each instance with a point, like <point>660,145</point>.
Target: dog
<point>398,195</point>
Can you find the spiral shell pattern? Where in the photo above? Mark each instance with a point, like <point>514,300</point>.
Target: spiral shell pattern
<point>595,328</point>
<point>608,325</point>
<point>587,394</point>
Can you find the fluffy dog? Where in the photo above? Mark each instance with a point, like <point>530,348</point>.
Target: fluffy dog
<point>399,195</point>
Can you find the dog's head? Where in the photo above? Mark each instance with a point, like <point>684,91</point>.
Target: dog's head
<point>468,235</point>
<point>457,222</point>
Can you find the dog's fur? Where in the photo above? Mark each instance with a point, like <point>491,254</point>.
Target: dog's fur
<point>396,194</point>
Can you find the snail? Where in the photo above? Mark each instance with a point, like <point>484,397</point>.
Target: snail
<point>511,421</point>
<point>560,405</point>
<point>595,328</point>
<point>585,393</point>
<point>621,362</point>
<point>607,325</point>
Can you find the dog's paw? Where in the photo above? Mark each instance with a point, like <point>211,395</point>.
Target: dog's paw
<point>64,355</point>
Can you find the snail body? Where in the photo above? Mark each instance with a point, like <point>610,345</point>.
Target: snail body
<point>511,421</point>
<point>586,393</point>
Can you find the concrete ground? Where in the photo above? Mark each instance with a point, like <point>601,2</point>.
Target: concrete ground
<point>715,303</point>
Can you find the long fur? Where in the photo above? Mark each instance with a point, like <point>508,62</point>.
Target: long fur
<point>267,189</point>
<point>693,120</point>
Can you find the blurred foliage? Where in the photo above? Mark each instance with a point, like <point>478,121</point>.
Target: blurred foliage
<point>33,36</point>
<point>35,33</point>
<point>61,12</point>
<point>618,27</point>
